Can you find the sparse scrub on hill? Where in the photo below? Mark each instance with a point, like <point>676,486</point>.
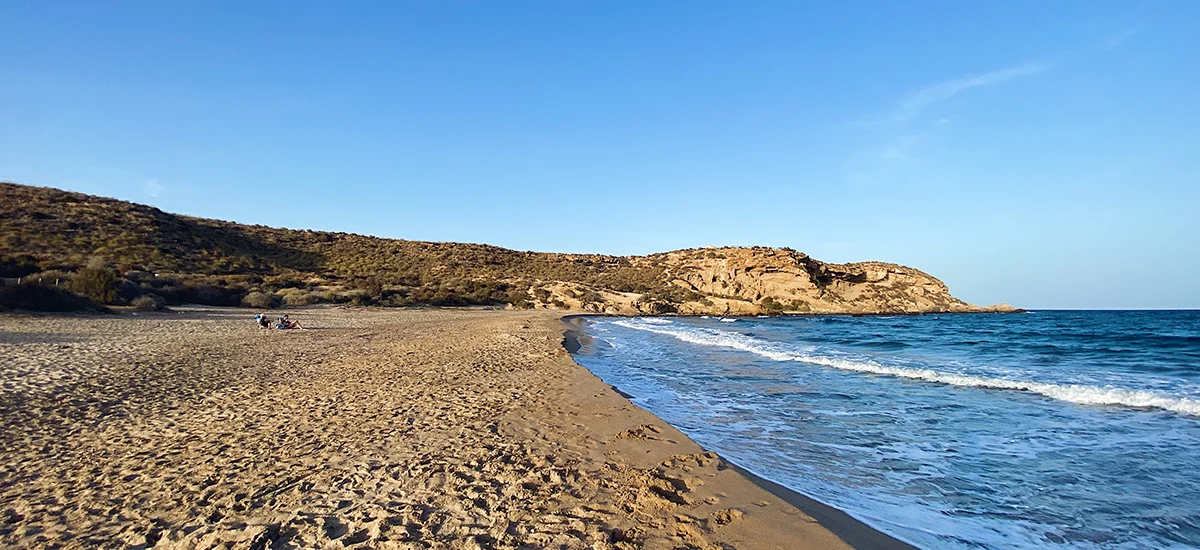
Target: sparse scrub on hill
<point>67,229</point>
<point>193,260</point>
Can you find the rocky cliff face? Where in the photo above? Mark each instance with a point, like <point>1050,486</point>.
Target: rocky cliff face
<point>754,281</point>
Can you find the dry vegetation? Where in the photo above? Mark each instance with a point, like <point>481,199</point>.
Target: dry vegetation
<point>115,252</point>
<point>119,253</point>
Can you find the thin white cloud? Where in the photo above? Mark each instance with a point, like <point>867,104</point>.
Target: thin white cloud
<point>1116,40</point>
<point>152,187</point>
<point>919,100</point>
<point>900,148</point>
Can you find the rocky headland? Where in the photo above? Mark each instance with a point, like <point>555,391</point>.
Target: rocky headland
<point>117,252</point>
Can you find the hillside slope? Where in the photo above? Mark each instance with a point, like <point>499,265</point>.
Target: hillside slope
<point>47,233</point>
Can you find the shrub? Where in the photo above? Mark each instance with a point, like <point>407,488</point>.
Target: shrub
<point>320,297</point>
<point>298,299</point>
<point>127,290</point>
<point>45,298</point>
<point>393,300</point>
<point>591,296</point>
<point>371,286</point>
<point>214,295</point>
<point>97,283</point>
<point>48,277</point>
<point>170,290</point>
<point>18,266</point>
<point>148,302</point>
<point>257,300</point>
<point>519,298</point>
<point>770,306</point>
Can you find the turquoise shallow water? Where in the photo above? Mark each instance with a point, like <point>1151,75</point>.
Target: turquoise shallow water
<point>1052,429</point>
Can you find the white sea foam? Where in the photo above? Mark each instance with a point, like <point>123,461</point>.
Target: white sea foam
<point>656,321</point>
<point>1074,393</point>
<point>727,320</point>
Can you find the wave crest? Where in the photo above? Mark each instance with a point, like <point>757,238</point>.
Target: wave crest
<point>1074,393</point>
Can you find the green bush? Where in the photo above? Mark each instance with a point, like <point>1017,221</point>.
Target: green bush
<point>148,302</point>
<point>99,284</point>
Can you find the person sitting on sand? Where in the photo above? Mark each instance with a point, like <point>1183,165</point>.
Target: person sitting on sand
<point>262,321</point>
<point>286,323</point>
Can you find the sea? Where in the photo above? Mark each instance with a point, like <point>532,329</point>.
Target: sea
<point>1045,429</point>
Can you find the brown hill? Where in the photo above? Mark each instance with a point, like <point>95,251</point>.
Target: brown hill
<point>50,234</point>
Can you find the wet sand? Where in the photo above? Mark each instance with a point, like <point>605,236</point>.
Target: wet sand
<point>375,429</point>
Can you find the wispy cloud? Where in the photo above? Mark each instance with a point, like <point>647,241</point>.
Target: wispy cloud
<point>917,101</point>
<point>152,187</point>
<point>899,144</point>
<point>900,148</point>
<point>1116,40</point>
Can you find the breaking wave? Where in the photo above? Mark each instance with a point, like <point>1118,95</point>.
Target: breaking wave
<point>1074,393</point>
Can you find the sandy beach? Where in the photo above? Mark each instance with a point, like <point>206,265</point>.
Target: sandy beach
<point>374,429</point>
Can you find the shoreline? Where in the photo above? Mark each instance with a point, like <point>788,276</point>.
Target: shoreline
<point>378,428</point>
<point>570,315</point>
<point>851,530</point>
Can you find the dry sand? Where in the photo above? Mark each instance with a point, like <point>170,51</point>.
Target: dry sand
<point>376,429</point>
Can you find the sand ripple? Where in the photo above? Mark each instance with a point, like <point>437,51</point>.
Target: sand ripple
<point>381,429</point>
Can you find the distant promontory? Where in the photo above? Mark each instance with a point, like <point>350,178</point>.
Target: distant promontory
<point>127,250</point>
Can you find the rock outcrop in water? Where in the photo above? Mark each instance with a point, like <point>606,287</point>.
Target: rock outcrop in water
<point>46,234</point>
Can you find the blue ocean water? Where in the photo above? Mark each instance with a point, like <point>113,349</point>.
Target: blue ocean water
<point>1050,429</point>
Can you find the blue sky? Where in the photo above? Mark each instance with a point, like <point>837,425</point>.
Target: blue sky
<point>1044,154</point>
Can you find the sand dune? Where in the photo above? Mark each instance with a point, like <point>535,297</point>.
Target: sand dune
<point>378,429</point>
